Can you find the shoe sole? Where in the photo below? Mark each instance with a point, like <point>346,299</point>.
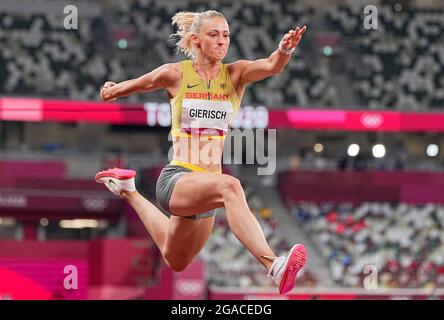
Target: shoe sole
<point>119,174</point>
<point>295,262</point>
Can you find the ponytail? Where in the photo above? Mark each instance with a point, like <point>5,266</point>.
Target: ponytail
<point>189,23</point>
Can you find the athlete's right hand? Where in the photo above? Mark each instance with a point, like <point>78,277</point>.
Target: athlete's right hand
<point>105,93</point>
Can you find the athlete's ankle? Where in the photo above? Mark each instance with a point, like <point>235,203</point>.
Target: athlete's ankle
<point>128,195</point>
<point>267,261</point>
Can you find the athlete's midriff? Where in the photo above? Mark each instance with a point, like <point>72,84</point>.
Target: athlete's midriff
<point>198,152</point>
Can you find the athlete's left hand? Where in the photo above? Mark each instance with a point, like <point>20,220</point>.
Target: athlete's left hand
<point>292,38</point>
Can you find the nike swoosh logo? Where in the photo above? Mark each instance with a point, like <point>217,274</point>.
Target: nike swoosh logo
<point>191,86</point>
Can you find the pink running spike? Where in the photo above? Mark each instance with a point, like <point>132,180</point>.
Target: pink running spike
<point>296,261</point>
<point>120,174</point>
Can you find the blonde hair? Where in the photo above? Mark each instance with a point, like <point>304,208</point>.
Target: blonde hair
<point>187,24</point>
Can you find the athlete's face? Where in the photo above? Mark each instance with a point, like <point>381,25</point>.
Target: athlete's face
<point>214,37</point>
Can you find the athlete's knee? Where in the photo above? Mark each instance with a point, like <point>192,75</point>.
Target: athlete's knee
<point>176,264</point>
<point>230,186</point>
<point>178,267</point>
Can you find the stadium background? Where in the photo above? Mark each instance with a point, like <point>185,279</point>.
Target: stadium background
<point>359,176</point>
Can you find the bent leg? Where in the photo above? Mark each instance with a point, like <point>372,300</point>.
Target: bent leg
<point>178,239</point>
<point>185,239</point>
<point>152,218</point>
<point>197,192</point>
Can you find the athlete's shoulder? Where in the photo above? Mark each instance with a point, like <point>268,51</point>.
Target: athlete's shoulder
<point>174,67</point>
<point>236,68</point>
<point>238,65</point>
<point>171,71</point>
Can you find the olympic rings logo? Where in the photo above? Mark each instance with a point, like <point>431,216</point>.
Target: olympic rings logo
<point>372,120</point>
<point>94,203</point>
<point>189,287</point>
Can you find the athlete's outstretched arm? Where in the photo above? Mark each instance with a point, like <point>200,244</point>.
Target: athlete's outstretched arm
<point>263,68</point>
<point>162,77</point>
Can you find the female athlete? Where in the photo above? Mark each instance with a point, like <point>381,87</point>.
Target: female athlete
<point>204,94</point>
